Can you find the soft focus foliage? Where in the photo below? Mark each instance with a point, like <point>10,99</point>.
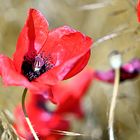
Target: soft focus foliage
<point>114,26</point>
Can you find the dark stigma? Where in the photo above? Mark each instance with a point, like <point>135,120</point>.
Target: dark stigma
<point>29,67</point>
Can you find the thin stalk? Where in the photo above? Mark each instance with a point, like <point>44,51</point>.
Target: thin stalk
<point>26,115</point>
<point>113,105</point>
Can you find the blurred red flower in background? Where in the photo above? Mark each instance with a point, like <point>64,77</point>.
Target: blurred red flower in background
<point>128,71</point>
<point>138,10</point>
<point>68,95</point>
<point>68,98</point>
<point>43,120</point>
<point>43,57</point>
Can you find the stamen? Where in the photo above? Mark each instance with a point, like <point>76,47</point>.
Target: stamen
<point>38,63</point>
<point>34,67</point>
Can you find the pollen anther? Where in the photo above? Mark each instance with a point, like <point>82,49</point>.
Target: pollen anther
<point>34,67</point>
<point>38,63</point>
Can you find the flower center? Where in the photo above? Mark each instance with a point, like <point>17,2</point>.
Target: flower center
<point>47,106</point>
<point>34,67</point>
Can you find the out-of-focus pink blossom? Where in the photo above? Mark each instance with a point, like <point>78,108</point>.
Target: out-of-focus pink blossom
<point>128,71</point>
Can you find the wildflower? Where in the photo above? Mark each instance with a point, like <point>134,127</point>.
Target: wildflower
<point>43,120</point>
<point>43,57</point>
<point>128,71</point>
<point>138,10</point>
<point>68,96</point>
<point>46,120</point>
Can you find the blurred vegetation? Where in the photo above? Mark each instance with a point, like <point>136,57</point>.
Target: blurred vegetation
<point>96,18</point>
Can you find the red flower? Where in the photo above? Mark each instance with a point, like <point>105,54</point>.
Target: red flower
<point>43,120</point>
<point>128,71</point>
<point>68,98</point>
<point>43,56</point>
<point>138,10</point>
<point>68,95</point>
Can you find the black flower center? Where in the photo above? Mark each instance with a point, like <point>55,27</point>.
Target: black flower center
<point>34,67</point>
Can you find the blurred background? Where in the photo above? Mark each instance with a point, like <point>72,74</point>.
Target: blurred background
<point>95,18</point>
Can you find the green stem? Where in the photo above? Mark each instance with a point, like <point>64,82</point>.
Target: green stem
<point>26,115</point>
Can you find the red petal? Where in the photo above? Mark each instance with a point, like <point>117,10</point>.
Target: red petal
<point>138,10</point>
<point>80,64</point>
<point>40,118</point>
<point>9,74</point>
<point>71,54</point>
<point>67,46</point>
<point>68,95</point>
<point>32,37</point>
<point>128,71</point>
<point>54,36</point>
<point>82,81</point>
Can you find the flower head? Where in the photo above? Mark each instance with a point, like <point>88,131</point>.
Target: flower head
<point>45,119</point>
<point>44,56</point>
<point>138,10</point>
<point>128,71</point>
<point>68,95</point>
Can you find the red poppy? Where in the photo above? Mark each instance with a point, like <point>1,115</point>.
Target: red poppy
<point>128,71</point>
<point>138,10</point>
<point>68,96</point>
<point>45,121</point>
<point>44,56</point>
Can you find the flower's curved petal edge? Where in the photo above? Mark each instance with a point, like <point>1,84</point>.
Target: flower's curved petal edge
<point>71,54</point>
<point>59,73</point>
<point>82,81</point>
<point>65,45</point>
<point>74,90</point>
<point>54,36</point>
<point>9,74</point>
<point>78,66</point>
<point>77,86</point>
<point>31,38</point>
<point>138,10</point>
